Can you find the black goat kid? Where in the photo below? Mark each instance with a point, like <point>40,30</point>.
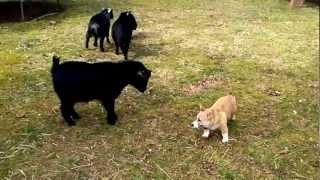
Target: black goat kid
<point>98,27</point>
<point>76,81</point>
<point>122,32</point>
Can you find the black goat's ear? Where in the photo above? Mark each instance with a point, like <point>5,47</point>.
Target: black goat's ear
<point>111,14</point>
<point>104,11</point>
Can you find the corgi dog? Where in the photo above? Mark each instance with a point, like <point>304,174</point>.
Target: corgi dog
<point>216,117</point>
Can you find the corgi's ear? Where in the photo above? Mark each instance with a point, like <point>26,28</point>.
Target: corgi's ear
<point>211,114</point>
<point>201,107</point>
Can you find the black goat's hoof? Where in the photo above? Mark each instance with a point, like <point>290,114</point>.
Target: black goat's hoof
<point>112,120</point>
<point>76,117</point>
<point>71,123</point>
<point>111,123</point>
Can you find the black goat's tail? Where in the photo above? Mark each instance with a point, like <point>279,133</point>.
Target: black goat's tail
<point>55,63</point>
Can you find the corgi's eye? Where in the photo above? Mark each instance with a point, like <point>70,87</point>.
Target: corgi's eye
<point>199,120</point>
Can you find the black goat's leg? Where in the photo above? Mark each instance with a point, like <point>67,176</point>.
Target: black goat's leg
<point>87,40</point>
<point>74,114</point>
<point>109,106</point>
<point>124,49</point>
<point>66,111</point>
<point>101,44</point>
<point>95,44</point>
<point>108,40</point>
<point>117,46</point>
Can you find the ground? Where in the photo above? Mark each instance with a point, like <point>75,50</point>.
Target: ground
<point>263,52</point>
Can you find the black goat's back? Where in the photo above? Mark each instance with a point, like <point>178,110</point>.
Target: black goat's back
<point>84,81</point>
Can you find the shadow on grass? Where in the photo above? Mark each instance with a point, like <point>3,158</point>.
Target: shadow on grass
<point>44,15</point>
<point>141,47</point>
<point>11,12</point>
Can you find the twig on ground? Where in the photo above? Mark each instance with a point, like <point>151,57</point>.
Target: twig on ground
<point>22,172</point>
<point>81,166</point>
<point>162,170</point>
<point>46,15</point>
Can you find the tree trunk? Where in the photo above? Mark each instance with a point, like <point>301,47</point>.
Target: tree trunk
<point>21,10</point>
<point>296,3</point>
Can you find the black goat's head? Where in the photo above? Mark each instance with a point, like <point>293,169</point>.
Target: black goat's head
<point>128,19</point>
<point>107,12</point>
<point>139,75</point>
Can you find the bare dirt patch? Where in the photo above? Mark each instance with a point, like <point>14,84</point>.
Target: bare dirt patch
<point>204,84</point>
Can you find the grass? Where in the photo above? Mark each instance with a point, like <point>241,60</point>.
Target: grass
<point>250,48</point>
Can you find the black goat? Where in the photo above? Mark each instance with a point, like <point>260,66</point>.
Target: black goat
<point>98,27</point>
<point>76,81</point>
<point>122,32</point>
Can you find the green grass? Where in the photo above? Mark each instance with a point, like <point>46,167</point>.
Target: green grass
<point>250,48</point>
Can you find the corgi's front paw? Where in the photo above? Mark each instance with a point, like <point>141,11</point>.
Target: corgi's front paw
<point>206,133</point>
<point>225,138</point>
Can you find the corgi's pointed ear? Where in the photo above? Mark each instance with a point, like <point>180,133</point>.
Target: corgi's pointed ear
<point>210,114</point>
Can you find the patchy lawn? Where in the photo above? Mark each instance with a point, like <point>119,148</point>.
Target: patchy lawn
<point>266,54</point>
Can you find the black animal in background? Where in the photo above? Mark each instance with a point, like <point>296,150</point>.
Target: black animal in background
<point>76,81</point>
<point>122,32</point>
<point>98,27</point>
